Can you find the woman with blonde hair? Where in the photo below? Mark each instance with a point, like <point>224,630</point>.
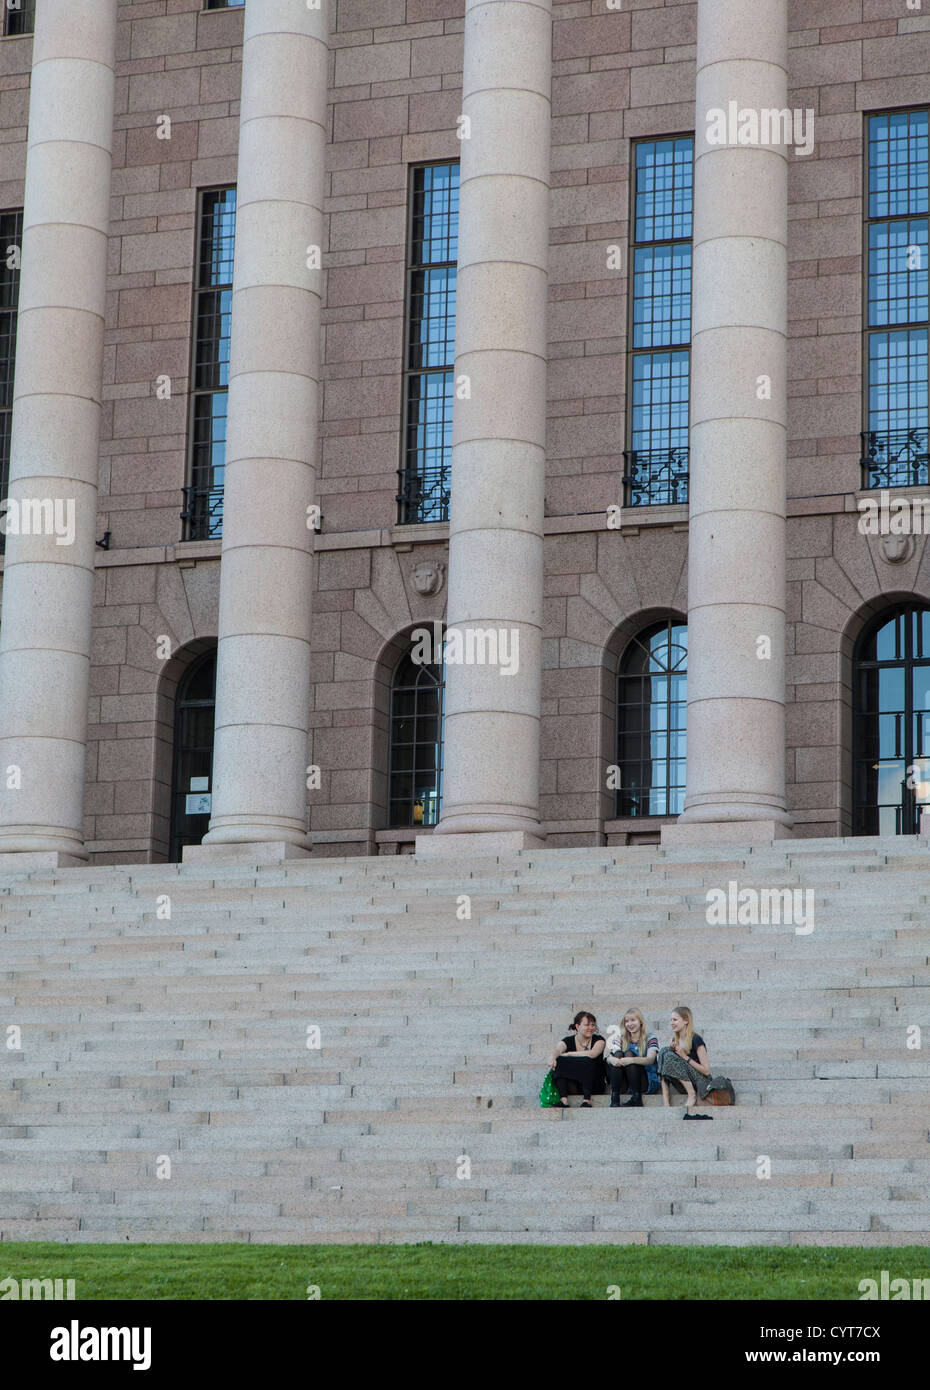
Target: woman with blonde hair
<point>631,1062</point>
<point>684,1063</point>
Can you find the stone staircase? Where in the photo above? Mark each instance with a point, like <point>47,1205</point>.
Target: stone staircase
<point>152,1044</point>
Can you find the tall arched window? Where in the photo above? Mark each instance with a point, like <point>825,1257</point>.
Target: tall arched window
<point>192,777</point>
<point>652,692</point>
<point>891,722</point>
<point>415,778</point>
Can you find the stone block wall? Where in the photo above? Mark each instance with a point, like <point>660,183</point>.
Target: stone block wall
<point>395,95</point>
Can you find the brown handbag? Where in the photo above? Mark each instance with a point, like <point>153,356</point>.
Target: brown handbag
<point>722,1094</point>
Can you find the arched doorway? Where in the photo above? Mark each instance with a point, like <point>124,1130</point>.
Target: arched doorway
<point>652,695</point>
<point>891,722</point>
<point>192,772</point>
<point>416,739</point>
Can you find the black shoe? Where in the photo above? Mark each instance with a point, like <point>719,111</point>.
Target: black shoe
<point>634,1102</point>
<point>692,1115</point>
<point>586,1104</point>
<point>615,1104</point>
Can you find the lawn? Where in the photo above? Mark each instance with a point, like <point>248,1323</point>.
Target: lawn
<point>434,1271</point>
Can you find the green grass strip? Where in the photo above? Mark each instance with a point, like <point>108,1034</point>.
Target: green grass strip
<point>461,1272</point>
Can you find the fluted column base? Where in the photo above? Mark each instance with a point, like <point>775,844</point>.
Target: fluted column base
<point>47,842</point>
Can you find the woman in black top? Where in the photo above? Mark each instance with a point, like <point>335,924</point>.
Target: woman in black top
<point>578,1060</point>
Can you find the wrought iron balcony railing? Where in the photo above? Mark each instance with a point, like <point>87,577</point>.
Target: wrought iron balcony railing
<point>424,495</point>
<point>895,458</point>
<point>656,477</point>
<point>203,513</point>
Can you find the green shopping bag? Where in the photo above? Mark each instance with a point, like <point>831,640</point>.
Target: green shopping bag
<point>549,1094</point>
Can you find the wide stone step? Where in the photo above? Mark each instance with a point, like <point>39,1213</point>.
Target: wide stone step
<point>144,1036</point>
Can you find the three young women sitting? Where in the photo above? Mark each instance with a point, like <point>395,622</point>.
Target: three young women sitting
<point>634,1063</point>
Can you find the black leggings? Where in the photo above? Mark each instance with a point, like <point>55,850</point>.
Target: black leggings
<point>627,1079</point>
<point>573,1074</point>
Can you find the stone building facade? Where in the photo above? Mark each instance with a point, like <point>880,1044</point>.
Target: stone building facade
<point>342,102</point>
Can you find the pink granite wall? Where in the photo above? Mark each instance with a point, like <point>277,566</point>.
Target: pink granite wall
<point>395,96</point>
